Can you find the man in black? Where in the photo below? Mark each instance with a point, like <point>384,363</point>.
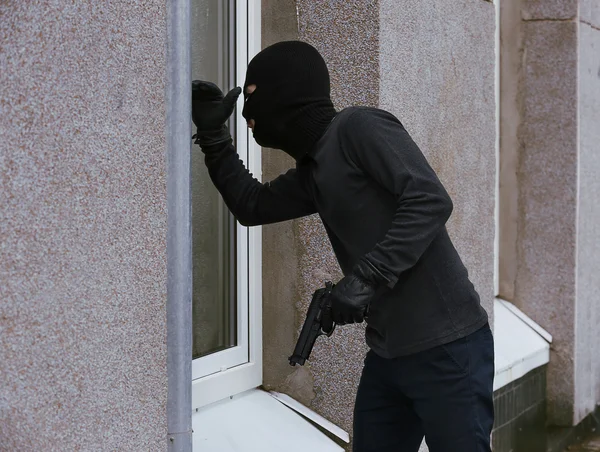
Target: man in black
<point>430,369</point>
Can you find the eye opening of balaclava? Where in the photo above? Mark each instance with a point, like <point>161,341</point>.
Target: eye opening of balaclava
<point>291,104</point>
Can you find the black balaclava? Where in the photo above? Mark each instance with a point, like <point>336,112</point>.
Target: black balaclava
<point>291,106</point>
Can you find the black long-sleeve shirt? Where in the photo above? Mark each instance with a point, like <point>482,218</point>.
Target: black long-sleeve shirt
<point>381,202</point>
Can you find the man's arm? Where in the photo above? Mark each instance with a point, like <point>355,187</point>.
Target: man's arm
<point>251,202</point>
<point>380,145</point>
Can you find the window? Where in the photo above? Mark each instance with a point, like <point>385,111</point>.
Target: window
<point>226,256</point>
<point>213,227</point>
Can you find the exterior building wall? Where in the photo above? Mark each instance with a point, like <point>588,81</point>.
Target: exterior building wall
<point>347,35</point>
<point>437,65</point>
<point>547,172</point>
<point>281,249</point>
<point>511,98</point>
<point>83,198</point>
<point>587,324</point>
<point>389,56</point>
<point>548,189</point>
<point>297,255</point>
<point>82,226</point>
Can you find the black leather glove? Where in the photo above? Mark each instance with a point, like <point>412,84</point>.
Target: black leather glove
<point>352,296</point>
<point>210,112</point>
<point>350,299</point>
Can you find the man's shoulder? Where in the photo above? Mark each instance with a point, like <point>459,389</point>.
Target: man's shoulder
<point>353,119</point>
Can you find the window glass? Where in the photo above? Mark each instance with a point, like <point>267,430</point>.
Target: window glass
<point>213,227</point>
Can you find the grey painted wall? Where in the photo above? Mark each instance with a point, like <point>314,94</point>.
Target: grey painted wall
<point>82,226</point>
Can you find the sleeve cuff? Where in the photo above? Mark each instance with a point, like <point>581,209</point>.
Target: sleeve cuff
<point>207,139</point>
<point>366,271</point>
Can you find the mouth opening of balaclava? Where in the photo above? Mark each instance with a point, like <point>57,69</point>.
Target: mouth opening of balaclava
<point>291,104</point>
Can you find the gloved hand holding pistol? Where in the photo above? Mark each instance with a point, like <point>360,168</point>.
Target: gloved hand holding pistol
<point>351,297</point>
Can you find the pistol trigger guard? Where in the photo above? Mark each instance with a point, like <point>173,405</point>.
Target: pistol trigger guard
<point>332,330</point>
<point>328,333</point>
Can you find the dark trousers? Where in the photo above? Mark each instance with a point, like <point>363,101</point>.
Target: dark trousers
<point>444,394</point>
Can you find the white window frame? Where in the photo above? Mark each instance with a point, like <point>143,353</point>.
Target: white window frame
<point>239,368</point>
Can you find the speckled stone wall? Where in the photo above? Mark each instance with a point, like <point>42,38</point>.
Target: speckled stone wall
<point>556,267</point>
<point>297,255</point>
<point>511,99</point>
<point>557,240</point>
<point>281,248</point>
<point>381,54</point>
<point>437,77</point>
<point>545,279</point>
<point>346,33</point>
<point>590,142</point>
<point>82,226</point>
<point>587,381</point>
<point>437,64</point>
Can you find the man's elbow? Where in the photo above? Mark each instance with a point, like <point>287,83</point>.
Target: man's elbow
<point>247,221</point>
<point>245,213</point>
<point>446,207</point>
<point>249,218</point>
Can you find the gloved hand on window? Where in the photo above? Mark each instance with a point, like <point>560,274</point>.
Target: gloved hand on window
<point>210,112</point>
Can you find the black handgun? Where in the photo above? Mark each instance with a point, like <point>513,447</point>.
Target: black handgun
<point>318,323</point>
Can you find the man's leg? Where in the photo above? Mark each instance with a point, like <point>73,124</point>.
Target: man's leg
<point>453,395</point>
<point>384,420</point>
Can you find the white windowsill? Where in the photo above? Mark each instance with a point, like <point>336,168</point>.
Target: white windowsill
<point>256,421</point>
<point>520,344</point>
